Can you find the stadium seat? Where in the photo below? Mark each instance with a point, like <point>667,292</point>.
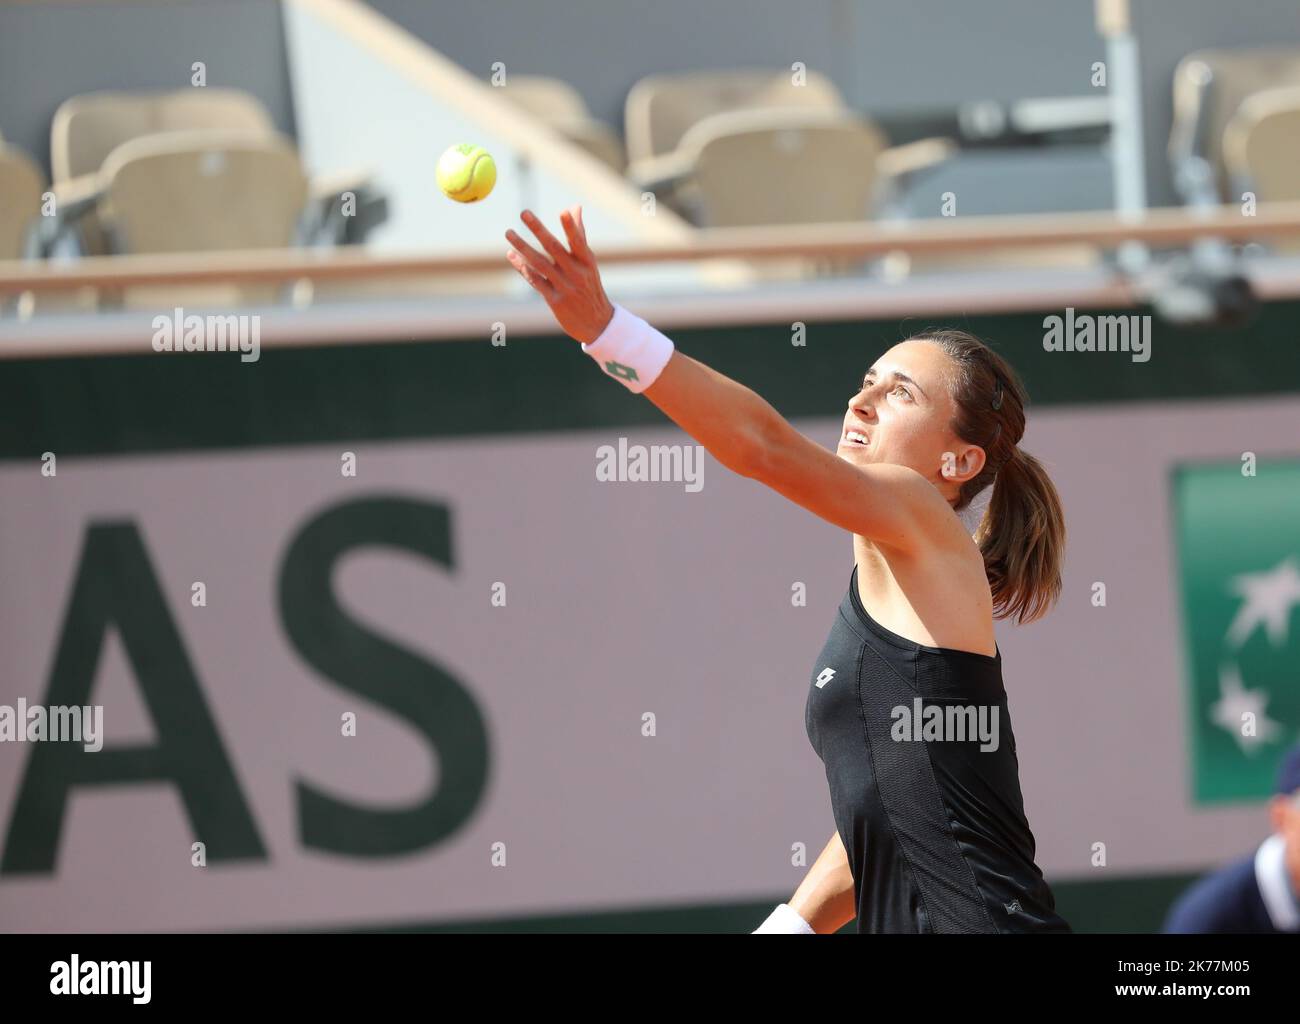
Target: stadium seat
<point>672,118</point>
<point>21,187</point>
<point>754,166</point>
<point>661,108</point>
<point>1210,87</point>
<point>1261,145</point>
<point>203,191</point>
<point>562,108</point>
<point>86,129</point>
<point>1261,150</point>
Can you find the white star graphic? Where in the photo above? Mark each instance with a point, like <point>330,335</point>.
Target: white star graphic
<point>1236,701</point>
<point>1269,597</point>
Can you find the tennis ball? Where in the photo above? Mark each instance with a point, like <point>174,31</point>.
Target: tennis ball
<point>466,173</point>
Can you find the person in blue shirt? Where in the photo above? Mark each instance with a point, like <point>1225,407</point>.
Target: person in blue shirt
<point>1259,893</point>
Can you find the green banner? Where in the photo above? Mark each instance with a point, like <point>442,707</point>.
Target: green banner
<point>1238,536</point>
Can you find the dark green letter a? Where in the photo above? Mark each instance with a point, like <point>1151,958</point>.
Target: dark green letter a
<point>115,584</point>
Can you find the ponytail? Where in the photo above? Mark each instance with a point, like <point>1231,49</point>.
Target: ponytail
<point>1022,533</point>
<point>1022,539</point>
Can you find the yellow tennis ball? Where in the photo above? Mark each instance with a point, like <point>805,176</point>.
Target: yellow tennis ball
<point>466,173</point>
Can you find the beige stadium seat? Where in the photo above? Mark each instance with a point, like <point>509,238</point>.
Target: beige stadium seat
<point>782,167</point>
<point>562,108</point>
<point>660,109</point>
<point>761,167</point>
<point>1261,150</point>
<point>1210,87</point>
<point>22,193</point>
<point>753,167</point>
<point>1261,145</point>
<point>21,188</point>
<point>664,111</point>
<point>87,128</point>
<point>203,192</point>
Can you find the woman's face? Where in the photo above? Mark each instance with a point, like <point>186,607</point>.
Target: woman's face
<point>902,415</point>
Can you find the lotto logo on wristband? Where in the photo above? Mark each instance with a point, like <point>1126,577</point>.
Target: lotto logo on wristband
<point>630,350</point>
<point>620,371</point>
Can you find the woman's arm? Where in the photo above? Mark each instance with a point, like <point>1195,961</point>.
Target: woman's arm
<point>890,504</point>
<point>825,896</point>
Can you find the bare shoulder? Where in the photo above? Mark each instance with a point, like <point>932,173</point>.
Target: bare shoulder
<point>937,594</point>
<point>934,528</point>
<point>939,556</point>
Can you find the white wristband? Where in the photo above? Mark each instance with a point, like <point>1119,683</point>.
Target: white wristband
<point>630,350</point>
<point>784,920</point>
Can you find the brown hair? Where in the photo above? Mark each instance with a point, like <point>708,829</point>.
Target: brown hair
<point>1022,534</point>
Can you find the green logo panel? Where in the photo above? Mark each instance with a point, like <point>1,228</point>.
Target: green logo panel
<point>1238,540</point>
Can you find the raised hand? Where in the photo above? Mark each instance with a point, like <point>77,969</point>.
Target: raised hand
<point>567,279</point>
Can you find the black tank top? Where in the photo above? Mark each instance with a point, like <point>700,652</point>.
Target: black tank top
<point>924,783</point>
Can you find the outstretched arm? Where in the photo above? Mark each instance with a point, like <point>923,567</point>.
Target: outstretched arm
<point>890,504</point>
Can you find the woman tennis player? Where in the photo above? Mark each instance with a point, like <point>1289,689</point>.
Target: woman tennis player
<point>906,708</point>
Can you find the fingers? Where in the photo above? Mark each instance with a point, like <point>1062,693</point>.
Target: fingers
<point>531,257</point>
<point>553,248</point>
<point>540,284</point>
<point>546,271</point>
<point>577,236</point>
